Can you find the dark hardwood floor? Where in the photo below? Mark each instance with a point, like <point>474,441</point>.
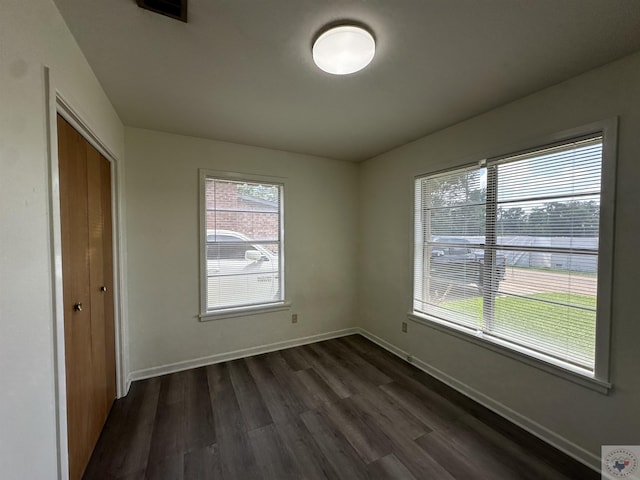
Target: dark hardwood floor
<point>339,409</point>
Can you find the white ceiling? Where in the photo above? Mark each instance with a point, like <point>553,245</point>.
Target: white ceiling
<point>241,70</point>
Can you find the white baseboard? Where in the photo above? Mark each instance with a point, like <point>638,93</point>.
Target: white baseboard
<point>127,386</point>
<point>233,355</point>
<point>564,445</point>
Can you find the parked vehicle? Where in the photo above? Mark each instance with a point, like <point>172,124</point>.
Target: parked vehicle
<point>239,272</point>
<point>460,263</point>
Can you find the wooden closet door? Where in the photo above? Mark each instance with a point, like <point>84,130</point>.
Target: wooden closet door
<point>98,289</point>
<point>110,335</point>
<point>85,214</point>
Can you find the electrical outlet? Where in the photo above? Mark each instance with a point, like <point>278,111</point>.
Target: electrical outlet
<point>404,327</point>
<point>294,318</point>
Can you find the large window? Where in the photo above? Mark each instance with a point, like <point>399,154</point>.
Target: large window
<point>508,251</point>
<point>242,248</point>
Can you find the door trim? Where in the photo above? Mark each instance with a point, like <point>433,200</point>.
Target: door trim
<point>57,103</point>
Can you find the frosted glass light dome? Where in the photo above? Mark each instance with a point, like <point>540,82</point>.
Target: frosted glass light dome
<point>344,49</point>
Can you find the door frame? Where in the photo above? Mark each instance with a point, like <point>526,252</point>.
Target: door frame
<point>57,103</point>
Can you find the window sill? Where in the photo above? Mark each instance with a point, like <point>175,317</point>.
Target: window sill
<point>244,311</point>
<point>547,364</point>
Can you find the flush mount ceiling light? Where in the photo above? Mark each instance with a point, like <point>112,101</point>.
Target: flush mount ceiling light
<point>343,49</point>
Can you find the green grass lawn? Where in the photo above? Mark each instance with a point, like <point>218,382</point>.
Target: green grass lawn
<point>563,328</point>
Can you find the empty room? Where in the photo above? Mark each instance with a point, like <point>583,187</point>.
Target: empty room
<point>319,239</point>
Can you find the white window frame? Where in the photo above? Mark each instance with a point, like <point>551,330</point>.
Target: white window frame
<point>599,380</point>
<point>230,312</point>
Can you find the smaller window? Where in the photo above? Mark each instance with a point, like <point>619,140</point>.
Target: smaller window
<point>242,254</point>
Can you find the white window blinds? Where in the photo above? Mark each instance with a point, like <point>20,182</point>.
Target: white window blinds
<point>509,251</point>
<point>242,243</point>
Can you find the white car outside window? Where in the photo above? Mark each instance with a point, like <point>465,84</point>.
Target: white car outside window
<point>240,272</point>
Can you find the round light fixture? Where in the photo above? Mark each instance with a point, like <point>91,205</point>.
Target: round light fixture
<point>344,49</point>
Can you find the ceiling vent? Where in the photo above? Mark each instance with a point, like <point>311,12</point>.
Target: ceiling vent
<point>171,8</point>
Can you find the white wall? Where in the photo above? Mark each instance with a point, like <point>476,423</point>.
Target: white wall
<point>583,418</point>
<point>32,36</point>
<point>163,249</point>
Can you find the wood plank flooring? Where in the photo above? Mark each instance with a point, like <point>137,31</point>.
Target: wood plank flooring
<point>339,409</point>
